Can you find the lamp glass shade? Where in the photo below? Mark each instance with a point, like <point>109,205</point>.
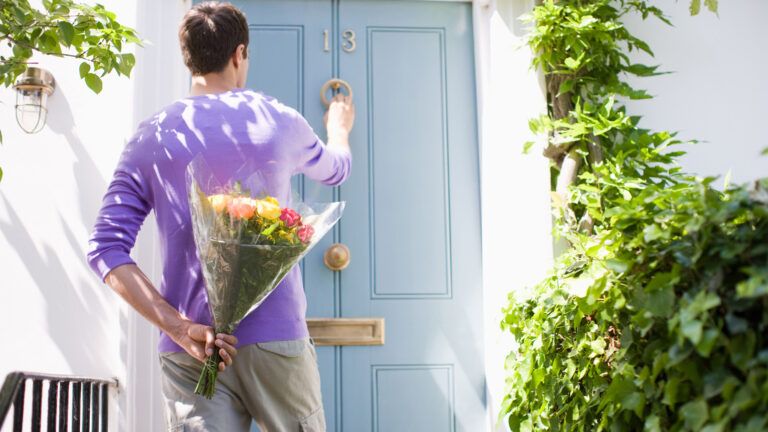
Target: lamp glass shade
<point>30,109</point>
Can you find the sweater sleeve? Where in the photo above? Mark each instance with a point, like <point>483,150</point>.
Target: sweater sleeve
<point>315,159</point>
<point>125,206</point>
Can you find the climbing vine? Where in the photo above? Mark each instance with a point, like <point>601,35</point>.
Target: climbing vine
<point>655,316</point>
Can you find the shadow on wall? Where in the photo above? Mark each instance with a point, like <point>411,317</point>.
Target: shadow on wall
<point>76,307</point>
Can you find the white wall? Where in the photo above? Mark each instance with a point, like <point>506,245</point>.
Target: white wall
<point>55,315</point>
<point>517,245</point>
<point>718,90</point>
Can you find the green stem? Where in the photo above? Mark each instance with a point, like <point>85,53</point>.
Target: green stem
<point>206,384</point>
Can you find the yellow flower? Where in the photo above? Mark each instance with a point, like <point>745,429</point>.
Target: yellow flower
<point>219,202</point>
<point>273,200</point>
<point>268,208</point>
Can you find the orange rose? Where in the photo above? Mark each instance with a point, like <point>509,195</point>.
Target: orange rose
<point>242,208</point>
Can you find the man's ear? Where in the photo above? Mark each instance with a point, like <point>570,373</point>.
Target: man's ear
<point>239,55</point>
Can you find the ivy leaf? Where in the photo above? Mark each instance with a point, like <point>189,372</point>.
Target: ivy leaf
<point>634,402</point>
<point>695,414</point>
<point>670,391</point>
<point>661,302</point>
<point>755,286</point>
<point>692,330</point>
<point>642,70</point>
<point>653,232</point>
<point>652,424</point>
<point>566,85</point>
<point>93,82</point>
<point>527,146</point>
<point>617,265</point>
<point>708,341</point>
<point>571,63</point>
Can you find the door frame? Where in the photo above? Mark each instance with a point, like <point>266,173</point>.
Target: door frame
<point>516,244</point>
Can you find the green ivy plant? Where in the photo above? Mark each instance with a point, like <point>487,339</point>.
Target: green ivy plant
<point>655,317</point>
<point>66,28</point>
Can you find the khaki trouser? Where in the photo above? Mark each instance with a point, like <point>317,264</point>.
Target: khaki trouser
<point>277,384</point>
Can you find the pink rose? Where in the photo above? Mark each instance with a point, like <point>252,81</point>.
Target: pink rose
<point>305,233</point>
<point>290,217</point>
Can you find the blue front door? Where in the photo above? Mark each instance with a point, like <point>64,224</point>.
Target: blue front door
<point>412,222</point>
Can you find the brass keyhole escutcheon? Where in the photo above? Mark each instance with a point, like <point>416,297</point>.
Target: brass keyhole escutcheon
<point>336,257</point>
<point>335,84</point>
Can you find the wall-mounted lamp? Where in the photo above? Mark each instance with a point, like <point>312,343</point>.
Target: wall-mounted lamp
<point>32,90</point>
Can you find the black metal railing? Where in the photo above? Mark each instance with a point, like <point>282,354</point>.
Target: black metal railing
<point>73,403</point>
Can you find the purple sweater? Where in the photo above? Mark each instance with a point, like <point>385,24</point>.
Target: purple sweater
<point>225,128</point>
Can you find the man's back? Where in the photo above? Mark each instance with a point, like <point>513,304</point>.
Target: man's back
<point>228,130</point>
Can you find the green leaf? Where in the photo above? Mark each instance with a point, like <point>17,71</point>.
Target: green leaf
<point>597,346</point>
<point>642,70</point>
<point>670,391</point>
<point>126,64</point>
<point>652,424</point>
<point>755,286</point>
<point>84,69</point>
<point>270,229</point>
<point>695,7</point>
<point>572,64</point>
<point>707,342</point>
<point>716,427</point>
<point>566,85</point>
<point>617,265</point>
<point>67,32</point>
<point>527,146</point>
<point>695,414</point>
<point>661,302</point>
<point>692,330</point>
<point>653,232</point>
<point>93,82</point>
<point>634,402</point>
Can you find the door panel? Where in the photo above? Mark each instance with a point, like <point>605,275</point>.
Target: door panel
<point>412,220</point>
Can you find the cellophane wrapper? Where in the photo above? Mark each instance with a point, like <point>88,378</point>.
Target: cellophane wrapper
<point>241,264</point>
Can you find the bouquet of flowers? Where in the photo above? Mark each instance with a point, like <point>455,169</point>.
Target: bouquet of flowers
<point>246,244</point>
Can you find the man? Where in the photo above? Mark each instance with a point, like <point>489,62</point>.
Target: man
<point>275,379</point>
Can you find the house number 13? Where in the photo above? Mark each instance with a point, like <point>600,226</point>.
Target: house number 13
<point>349,44</point>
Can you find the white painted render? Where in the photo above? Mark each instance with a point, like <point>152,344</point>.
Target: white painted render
<point>717,90</point>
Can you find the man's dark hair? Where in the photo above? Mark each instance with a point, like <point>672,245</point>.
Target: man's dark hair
<point>209,34</point>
